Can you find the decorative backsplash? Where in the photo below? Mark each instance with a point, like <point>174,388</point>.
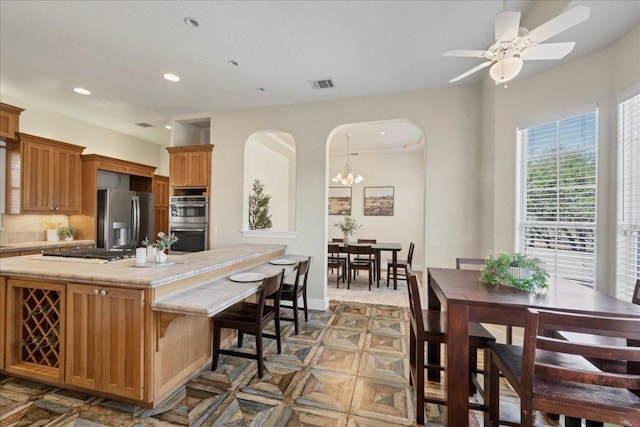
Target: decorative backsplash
<point>27,228</point>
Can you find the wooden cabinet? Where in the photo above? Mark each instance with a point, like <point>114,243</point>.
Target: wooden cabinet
<point>51,176</point>
<point>9,121</point>
<point>105,332</point>
<point>161,211</point>
<point>190,166</point>
<point>3,319</point>
<point>35,330</point>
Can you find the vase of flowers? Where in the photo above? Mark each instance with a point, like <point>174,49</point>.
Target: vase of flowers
<point>162,244</point>
<point>67,233</point>
<point>348,226</point>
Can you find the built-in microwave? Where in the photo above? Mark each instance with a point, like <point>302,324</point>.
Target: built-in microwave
<point>188,210</point>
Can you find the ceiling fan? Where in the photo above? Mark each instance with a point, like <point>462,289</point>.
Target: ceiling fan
<point>515,44</point>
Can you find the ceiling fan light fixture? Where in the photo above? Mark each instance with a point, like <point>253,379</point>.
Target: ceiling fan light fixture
<point>506,69</point>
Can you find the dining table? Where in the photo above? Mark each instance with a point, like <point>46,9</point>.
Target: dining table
<point>378,248</point>
<point>464,299</point>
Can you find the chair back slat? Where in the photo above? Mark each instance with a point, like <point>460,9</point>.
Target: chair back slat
<point>337,240</point>
<point>302,271</point>
<point>412,247</point>
<point>560,360</point>
<point>415,306</point>
<point>270,288</point>
<point>361,250</point>
<point>607,379</point>
<point>468,261</point>
<point>367,241</point>
<point>636,293</point>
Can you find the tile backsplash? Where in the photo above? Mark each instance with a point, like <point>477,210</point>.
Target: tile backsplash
<point>27,228</point>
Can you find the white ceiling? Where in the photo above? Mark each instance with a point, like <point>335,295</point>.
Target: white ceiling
<point>119,50</point>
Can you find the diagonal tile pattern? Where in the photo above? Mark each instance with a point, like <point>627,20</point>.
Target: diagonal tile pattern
<point>348,367</point>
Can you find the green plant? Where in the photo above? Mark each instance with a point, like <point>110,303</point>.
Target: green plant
<point>259,218</point>
<point>496,271</point>
<point>348,226</point>
<point>65,232</point>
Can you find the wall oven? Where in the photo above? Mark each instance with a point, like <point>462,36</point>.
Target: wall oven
<point>188,220</point>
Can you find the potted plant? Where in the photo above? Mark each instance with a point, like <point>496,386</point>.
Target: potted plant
<point>259,218</point>
<point>515,270</point>
<point>67,233</point>
<point>348,226</point>
<point>51,229</point>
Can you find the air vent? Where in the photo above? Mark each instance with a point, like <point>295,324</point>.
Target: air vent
<point>144,125</point>
<point>321,84</point>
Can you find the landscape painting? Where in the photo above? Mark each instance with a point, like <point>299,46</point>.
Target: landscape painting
<point>339,200</point>
<point>378,201</point>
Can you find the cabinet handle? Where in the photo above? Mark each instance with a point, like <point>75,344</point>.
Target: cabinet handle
<point>51,208</point>
<point>56,208</point>
<point>96,292</point>
<point>103,292</point>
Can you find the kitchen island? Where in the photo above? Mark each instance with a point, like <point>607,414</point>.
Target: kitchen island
<point>117,330</point>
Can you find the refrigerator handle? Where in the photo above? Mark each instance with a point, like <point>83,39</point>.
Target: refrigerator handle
<point>135,238</point>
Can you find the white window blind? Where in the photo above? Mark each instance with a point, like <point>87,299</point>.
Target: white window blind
<point>628,230</point>
<point>558,196</point>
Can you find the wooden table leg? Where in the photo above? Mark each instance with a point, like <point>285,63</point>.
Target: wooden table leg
<point>434,354</point>
<point>457,366</point>
<point>395,270</point>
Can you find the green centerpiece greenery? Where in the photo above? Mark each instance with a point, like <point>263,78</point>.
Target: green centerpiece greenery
<point>67,232</point>
<point>515,270</point>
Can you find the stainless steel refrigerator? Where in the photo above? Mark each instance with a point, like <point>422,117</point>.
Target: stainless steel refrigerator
<point>125,218</point>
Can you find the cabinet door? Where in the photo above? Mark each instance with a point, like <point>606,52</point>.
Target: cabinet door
<point>179,169</point>
<point>35,339</point>
<point>198,169</point>
<point>8,124</point>
<point>83,342</point>
<point>37,177</point>
<point>161,190</point>
<point>122,345</point>
<point>3,319</point>
<point>67,181</point>
<point>161,219</point>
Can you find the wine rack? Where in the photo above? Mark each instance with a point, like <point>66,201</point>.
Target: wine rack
<point>41,327</point>
<point>36,329</point>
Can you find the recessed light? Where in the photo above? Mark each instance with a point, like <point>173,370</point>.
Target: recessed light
<point>171,77</point>
<point>191,22</point>
<point>168,127</point>
<point>260,89</point>
<point>81,91</point>
<point>232,63</point>
<point>383,133</point>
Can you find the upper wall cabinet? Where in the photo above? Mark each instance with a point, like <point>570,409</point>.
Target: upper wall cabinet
<point>190,166</point>
<point>51,176</point>
<point>9,119</point>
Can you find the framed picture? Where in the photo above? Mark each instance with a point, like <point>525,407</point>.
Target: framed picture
<point>339,200</point>
<point>378,201</point>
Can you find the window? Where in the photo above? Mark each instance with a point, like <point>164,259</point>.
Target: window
<point>557,221</point>
<point>628,230</point>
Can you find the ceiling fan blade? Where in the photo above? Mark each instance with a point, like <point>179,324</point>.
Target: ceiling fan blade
<point>471,71</point>
<point>560,23</point>
<point>466,53</point>
<point>548,51</point>
<point>506,25</point>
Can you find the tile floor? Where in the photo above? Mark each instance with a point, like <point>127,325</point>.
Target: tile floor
<point>347,367</point>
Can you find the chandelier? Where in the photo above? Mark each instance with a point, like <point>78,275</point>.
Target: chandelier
<point>346,177</point>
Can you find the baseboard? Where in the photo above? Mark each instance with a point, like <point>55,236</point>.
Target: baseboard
<point>318,304</point>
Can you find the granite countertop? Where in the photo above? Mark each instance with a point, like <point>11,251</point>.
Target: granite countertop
<point>215,296</point>
<point>125,273</point>
<point>27,246</point>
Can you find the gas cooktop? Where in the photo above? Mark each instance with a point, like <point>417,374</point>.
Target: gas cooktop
<point>98,253</point>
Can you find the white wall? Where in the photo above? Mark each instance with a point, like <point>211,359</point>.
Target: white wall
<point>596,79</point>
<point>272,170</point>
<point>451,124</point>
<point>404,172</point>
<point>96,139</point>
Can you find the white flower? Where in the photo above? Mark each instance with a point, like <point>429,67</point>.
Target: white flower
<point>160,234</point>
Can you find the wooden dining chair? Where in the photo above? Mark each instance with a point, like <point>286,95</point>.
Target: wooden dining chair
<point>375,261</point>
<point>251,318</point>
<point>475,264</point>
<point>362,260</point>
<point>552,375</point>
<point>400,265</point>
<point>292,292</point>
<point>603,341</point>
<point>429,326</point>
<point>334,261</point>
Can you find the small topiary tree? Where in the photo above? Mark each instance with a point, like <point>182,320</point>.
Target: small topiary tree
<point>259,218</point>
